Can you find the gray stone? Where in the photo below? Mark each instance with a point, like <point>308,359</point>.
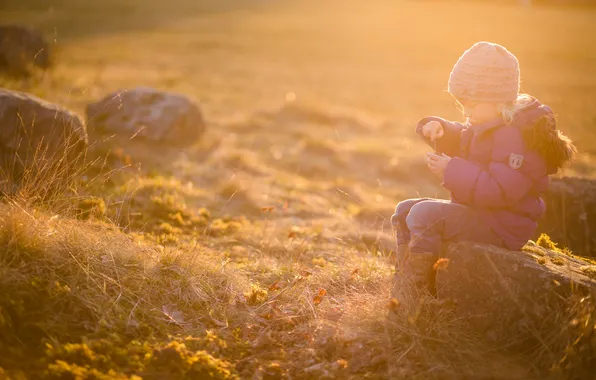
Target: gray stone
<point>22,49</point>
<point>35,135</point>
<point>147,113</point>
<point>513,299</point>
<point>571,214</point>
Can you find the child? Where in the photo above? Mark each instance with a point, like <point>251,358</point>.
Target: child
<point>495,165</point>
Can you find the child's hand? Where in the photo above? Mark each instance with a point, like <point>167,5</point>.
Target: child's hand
<point>432,130</point>
<point>437,163</point>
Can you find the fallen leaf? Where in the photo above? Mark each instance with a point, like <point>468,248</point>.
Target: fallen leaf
<point>393,304</point>
<point>442,263</point>
<point>341,364</point>
<point>274,286</point>
<point>295,231</point>
<point>319,296</point>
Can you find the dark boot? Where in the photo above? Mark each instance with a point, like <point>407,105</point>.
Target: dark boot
<point>403,283</point>
<point>423,274</point>
<point>401,256</point>
<point>414,276</point>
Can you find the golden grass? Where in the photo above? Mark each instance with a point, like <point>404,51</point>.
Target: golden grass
<point>260,251</point>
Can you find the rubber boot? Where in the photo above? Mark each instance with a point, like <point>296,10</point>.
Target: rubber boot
<point>422,271</point>
<point>414,277</point>
<point>403,283</point>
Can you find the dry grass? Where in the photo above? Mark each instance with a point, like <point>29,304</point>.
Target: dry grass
<point>260,251</point>
<point>81,296</point>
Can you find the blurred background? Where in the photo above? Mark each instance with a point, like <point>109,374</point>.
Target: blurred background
<point>326,90</point>
<point>390,59</point>
<point>268,230</point>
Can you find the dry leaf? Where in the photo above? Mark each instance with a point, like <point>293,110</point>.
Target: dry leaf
<point>295,231</point>
<point>393,304</point>
<point>442,263</point>
<point>305,273</point>
<point>274,286</point>
<point>319,296</point>
<point>341,364</point>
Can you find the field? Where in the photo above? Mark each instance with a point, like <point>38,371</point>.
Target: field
<point>261,251</point>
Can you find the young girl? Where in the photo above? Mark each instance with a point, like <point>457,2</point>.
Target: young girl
<point>495,165</point>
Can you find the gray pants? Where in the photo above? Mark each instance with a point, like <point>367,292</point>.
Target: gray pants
<point>426,224</point>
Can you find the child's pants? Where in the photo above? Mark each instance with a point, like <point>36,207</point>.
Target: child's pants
<point>426,224</point>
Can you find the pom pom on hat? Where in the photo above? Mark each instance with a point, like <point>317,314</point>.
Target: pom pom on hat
<point>486,72</point>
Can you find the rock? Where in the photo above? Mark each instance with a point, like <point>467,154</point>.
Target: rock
<point>36,136</point>
<point>571,214</point>
<point>149,114</point>
<point>514,299</point>
<point>22,49</point>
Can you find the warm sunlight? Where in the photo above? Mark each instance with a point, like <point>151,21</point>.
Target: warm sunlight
<point>284,189</point>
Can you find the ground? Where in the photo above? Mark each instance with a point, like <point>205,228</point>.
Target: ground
<point>260,250</point>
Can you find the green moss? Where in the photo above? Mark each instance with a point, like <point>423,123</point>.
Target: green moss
<point>545,241</point>
<point>557,260</point>
<point>589,270</point>
<point>175,358</point>
<point>222,227</point>
<point>533,249</point>
<point>167,228</point>
<point>61,370</point>
<point>110,359</point>
<point>159,207</point>
<point>256,295</point>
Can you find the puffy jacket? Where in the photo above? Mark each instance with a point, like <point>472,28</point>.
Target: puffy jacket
<point>502,169</point>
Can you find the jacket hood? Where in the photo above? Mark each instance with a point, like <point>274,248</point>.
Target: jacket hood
<point>539,128</point>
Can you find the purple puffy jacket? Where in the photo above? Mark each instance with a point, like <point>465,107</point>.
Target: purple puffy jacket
<point>502,169</point>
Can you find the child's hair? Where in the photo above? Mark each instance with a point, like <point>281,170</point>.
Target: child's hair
<point>543,136</point>
<point>508,110</point>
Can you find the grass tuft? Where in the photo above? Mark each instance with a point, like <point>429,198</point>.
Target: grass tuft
<point>545,241</point>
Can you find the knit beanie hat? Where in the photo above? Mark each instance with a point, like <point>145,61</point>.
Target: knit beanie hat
<point>486,72</point>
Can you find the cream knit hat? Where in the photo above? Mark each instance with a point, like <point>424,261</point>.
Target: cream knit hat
<point>486,72</point>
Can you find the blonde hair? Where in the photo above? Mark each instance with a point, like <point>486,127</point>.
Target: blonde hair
<point>508,110</point>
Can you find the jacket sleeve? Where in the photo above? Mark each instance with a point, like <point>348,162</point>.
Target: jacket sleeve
<point>450,142</point>
<point>503,182</point>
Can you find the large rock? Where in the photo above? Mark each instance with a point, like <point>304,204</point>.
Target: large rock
<point>147,113</point>
<point>22,49</point>
<point>571,214</point>
<point>515,299</point>
<point>37,136</point>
